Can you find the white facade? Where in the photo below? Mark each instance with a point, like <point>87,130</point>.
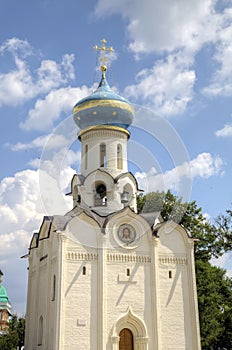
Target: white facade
<point>103,268</point>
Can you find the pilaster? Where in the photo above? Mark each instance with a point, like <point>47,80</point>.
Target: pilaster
<point>102,297</point>
<point>154,294</point>
<point>60,324</point>
<point>115,342</point>
<point>196,344</point>
<point>47,328</point>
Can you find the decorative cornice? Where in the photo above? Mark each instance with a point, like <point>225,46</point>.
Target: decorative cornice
<point>81,256</point>
<point>128,258</point>
<point>172,260</point>
<point>102,128</point>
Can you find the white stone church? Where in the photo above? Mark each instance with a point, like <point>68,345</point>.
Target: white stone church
<point>103,276</point>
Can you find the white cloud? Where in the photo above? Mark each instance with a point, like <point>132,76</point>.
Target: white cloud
<point>24,199</point>
<point>16,46</point>
<point>226,131</point>
<point>167,87</point>
<point>221,82</point>
<point>164,25</point>
<point>177,27</point>
<point>49,109</point>
<point>50,141</point>
<point>204,165</point>
<point>21,84</point>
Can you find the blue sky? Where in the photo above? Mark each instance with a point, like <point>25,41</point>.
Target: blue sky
<point>172,60</point>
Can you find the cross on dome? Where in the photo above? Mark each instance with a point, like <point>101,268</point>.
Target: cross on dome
<point>103,106</point>
<point>104,54</point>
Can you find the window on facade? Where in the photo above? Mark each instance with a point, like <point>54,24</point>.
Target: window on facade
<point>170,274</point>
<point>54,288</point>
<point>126,341</point>
<point>102,155</point>
<point>84,270</point>
<point>86,156</point>
<point>40,331</point>
<point>119,156</point>
<point>128,272</point>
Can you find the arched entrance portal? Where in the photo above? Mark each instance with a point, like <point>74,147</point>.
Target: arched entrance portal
<point>126,341</point>
<point>129,333</point>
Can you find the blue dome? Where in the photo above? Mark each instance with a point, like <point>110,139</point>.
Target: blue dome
<point>103,107</point>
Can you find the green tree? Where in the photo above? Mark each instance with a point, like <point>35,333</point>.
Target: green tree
<point>214,290</point>
<point>213,286</point>
<point>213,239</point>
<point>14,338</point>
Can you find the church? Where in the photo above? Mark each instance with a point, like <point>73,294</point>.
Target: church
<point>103,276</point>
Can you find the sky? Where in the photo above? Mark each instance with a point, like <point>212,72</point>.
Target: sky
<point>172,60</point>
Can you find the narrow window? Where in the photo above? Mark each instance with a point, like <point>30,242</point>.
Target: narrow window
<point>86,156</point>
<point>170,274</point>
<point>102,155</point>
<point>128,272</point>
<point>54,288</point>
<point>40,331</point>
<point>84,270</point>
<point>119,156</point>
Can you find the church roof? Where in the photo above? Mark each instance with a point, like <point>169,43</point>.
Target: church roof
<point>103,107</point>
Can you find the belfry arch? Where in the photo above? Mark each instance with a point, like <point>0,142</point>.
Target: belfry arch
<point>133,324</point>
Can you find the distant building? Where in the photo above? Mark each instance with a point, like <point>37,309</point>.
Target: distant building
<point>102,276</point>
<point>5,307</point>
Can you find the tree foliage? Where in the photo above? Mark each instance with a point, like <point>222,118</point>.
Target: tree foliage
<point>212,240</point>
<point>14,338</point>
<point>214,291</point>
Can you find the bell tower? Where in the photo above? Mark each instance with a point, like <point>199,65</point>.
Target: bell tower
<point>103,119</point>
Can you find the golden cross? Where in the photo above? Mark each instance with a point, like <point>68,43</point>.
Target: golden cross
<point>103,57</point>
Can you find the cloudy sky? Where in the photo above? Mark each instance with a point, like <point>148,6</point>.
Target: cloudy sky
<point>172,60</point>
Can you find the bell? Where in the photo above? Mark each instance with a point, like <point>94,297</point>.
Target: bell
<point>125,197</point>
<point>97,196</point>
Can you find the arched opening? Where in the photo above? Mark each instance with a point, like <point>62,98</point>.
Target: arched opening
<point>40,331</point>
<point>54,288</point>
<point>103,155</point>
<point>86,156</point>
<point>134,337</point>
<point>126,341</point>
<point>127,195</point>
<point>119,156</point>
<point>100,195</point>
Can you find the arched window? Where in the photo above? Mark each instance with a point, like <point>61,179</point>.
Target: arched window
<point>100,196</point>
<point>119,156</point>
<point>126,341</point>
<point>54,288</point>
<point>86,156</point>
<point>102,155</point>
<point>40,331</point>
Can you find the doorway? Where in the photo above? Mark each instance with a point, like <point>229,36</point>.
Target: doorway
<point>126,340</point>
